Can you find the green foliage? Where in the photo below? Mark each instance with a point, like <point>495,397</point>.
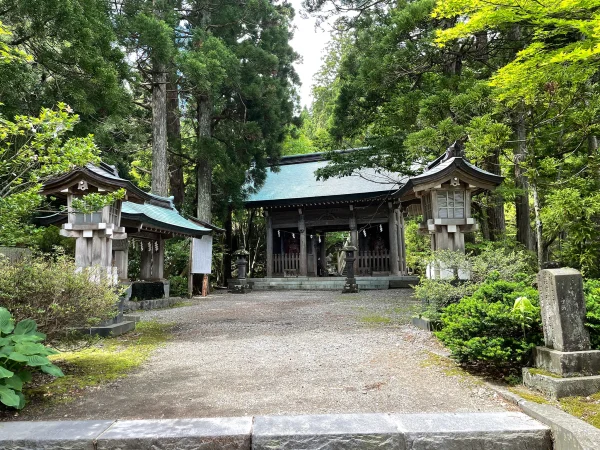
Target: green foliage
<point>95,202</point>
<point>592,304</point>
<point>33,149</point>
<point>21,353</point>
<point>490,329</point>
<point>55,294</point>
<point>178,286</point>
<point>418,246</point>
<point>491,263</point>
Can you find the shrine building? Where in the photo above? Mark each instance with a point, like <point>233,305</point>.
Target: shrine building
<point>371,205</point>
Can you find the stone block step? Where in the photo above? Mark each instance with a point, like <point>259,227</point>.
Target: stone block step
<point>460,431</point>
<point>116,329</point>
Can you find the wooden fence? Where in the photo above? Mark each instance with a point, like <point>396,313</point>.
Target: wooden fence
<point>286,261</point>
<point>374,261</point>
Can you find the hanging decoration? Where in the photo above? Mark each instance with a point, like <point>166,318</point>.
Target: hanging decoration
<point>278,233</point>
<point>364,232</point>
<point>380,228</point>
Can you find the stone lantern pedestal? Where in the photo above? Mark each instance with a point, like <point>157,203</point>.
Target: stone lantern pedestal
<point>566,366</point>
<point>351,285</point>
<point>241,286</point>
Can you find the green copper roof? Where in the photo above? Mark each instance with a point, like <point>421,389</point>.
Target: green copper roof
<point>296,183</point>
<point>165,218</point>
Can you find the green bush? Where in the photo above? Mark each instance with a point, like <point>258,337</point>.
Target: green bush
<point>20,354</point>
<point>52,292</point>
<point>490,263</point>
<point>489,330</point>
<point>178,286</point>
<point>592,303</point>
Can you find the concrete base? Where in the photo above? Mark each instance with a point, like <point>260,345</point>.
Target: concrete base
<point>240,289</point>
<point>151,304</point>
<point>556,387</point>
<point>132,318</point>
<point>331,283</point>
<point>422,323</point>
<point>568,364</point>
<point>116,329</point>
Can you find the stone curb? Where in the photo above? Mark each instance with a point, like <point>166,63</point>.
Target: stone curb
<point>569,432</point>
<point>452,431</point>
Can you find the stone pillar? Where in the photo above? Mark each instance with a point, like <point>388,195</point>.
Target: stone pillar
<point>82,256</point>
<point>323,256</point>
<point>393,234</point>
<point>574,368</point>
<point>351,285</point>
<point>146,261</point>
<point>269,245</point>
<point>303,255</point>
<point>563,310</point>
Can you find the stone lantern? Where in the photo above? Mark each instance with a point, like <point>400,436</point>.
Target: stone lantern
<point>444,191</point>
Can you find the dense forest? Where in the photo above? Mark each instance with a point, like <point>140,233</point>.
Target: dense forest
<point>194,98</point>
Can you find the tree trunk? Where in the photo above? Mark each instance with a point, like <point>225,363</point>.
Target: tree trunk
<point>495,212</point>
<point>174,142</point>
<point>538,225</point>
<point>521,183</point>
<point>160,170</point>
<point>204,181</point>
<point>228,250</point>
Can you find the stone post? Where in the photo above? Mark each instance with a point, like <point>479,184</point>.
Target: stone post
<point>572,368</point>
<point>351,285</point>
<point>240,286</point>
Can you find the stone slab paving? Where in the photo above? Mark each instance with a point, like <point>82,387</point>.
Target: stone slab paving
<point>287,353</point>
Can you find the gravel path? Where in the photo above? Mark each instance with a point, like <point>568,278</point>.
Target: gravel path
<point>290,352</point>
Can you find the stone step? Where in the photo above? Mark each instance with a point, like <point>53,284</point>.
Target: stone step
<point>456,431</point>
<point>116,329</point>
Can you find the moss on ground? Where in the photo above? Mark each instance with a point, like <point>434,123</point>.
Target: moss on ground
<point>528,395</point>
<point>449,367</point>
<point>106,360</point>
<point>585,408</point>
<point>535,371</point>
<point>376,319</point>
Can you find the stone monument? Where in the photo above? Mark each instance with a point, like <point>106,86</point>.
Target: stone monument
<point>566,366</point>
<point>351,285</point>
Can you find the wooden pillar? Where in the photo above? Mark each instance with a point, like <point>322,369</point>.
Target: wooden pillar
<point>269,245</point>
<point>353,228</point>
<point>303,255</point>
<point>146,262</point>
<point>190,274</point>
<point>323,255</point>
<point>401,243</point>
<point>393,233</point>
<point>314,247</point>
<point>159,260</point>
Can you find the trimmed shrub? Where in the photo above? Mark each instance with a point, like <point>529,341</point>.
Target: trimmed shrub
<point>491,329</point>
<point>51,292</point>
<point>591,289</point>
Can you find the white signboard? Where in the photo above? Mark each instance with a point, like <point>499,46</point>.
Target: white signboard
<point>202,255</point>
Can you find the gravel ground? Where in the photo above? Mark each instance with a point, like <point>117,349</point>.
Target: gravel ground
<point>288,352</point>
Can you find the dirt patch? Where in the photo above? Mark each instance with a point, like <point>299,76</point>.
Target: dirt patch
<point>290,352</point>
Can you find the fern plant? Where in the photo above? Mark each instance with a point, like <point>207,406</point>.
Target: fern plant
<point>21,353</point>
